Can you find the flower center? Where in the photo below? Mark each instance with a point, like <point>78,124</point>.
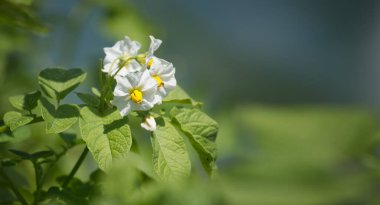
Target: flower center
<point>159,81</point>
<point>136,96</point>
<point>150,63</point>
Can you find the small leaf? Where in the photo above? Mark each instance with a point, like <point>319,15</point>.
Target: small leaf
<point>15,136</point>
<point>15,119</point>
<point>42,154</point>
<point>8,162</point>
<point>90,100</point>
<point>23,155</point>
<point>58,82</point>
<point>58,120</point>
<point>69,138</point>
<point>25,102</point>
<point>202,132</point>
<point>178,95</point>
<point>95,91</point>
<point>170,158</point>
<point>107,135</point>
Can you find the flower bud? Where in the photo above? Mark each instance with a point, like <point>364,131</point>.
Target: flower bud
<point>149,124</point>
<point>141,58</point>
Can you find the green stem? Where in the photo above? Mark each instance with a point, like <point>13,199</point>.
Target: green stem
<point>101,85</point>
<point>13,187</point>
<point>37,168</point>
<point>76,167</point>
<point>120,67</point>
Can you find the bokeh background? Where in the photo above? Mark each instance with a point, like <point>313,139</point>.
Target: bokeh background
<point>293,84</point>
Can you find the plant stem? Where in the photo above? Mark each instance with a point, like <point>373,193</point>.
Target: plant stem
<point>13,187</point>
<point>101,85</point>
<point>38,172</point>
<point>76,167</point>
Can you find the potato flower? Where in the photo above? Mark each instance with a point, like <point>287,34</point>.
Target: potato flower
<point>121,58</point>
<point>163,72</point>
<point>134,91</point>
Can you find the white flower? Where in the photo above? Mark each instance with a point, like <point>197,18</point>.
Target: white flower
<point>135,91</point>
<point>121,55</point>
<point>149,124</point>
<point>163,72</point>
<point>154,45</point>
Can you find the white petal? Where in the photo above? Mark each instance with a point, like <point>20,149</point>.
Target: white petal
<point>118,46</point>
<point>154,45</point>
<point>131,67</point>
<point>130,47</point>
<point>147,82</point>
<point>158,99</point>
<point>167,72</point>
<point>158,63</point>
<point>123,86</point>
<point>122,104</point>
<point>144,105</point>
<point>134,78</point>
<point>111,54</point>
<point>110,68</point>
<point>162,92</point>
<point>170,84</point>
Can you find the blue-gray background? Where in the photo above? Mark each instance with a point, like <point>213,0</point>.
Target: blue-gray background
<point>232,52</point>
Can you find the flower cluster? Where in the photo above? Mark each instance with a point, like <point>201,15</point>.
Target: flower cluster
<point>142,79</point>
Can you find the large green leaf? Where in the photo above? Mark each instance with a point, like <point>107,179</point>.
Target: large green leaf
<point>202,131</point>
<point>15,119</point>
<point>170,158</point>
<point>178,95</point>
<point>58,82</point>
<point>25,102</point>
<point>107,135</point>
<point>58,119</point>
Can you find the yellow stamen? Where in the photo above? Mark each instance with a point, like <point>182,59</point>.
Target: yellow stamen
<point>136,96</point>
<point>159,80</point>
<point>150,62</point>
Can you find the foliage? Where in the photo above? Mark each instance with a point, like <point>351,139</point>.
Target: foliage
<point>107,134</point>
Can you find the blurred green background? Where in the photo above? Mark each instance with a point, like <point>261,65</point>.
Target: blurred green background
<point>293,84</point>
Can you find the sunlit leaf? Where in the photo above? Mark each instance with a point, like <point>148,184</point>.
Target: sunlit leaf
<point>90,100</point>
<point>58,82</point>
<point>107,135</point>
<point>178,95</point>
<point>26,101</point>
<point>202,131</point>
<point>60,119</point>
<point>15,119</point>
<point>170,157</point>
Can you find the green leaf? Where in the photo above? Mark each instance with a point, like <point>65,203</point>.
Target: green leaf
<point>15,136</point>
<point>8,162</point>
<point>95,91</point>
<point>58,82</point>
<point>36,155</point>
<point>42,154</point>
<point>170,158</point>
<point>178,95</point>
<point>58,120</point>
<point>25,102</point>
<point>15,119</point>
<point>23,155</point>
<point>90,100</point>
<point>107,135</point>
<point>202,132</point>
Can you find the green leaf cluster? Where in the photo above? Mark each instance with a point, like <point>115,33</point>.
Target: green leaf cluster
<point>108,136</point>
